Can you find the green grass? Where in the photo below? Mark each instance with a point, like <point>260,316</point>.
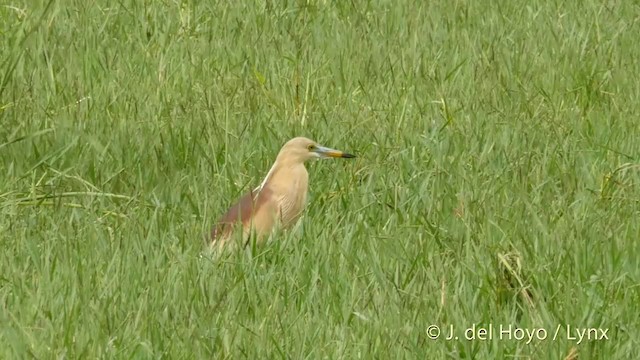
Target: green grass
<point>497,179</point>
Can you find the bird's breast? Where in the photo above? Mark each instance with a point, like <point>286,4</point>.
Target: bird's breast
<point>293,199</point>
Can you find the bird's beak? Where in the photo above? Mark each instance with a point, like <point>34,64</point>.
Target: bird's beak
<point>328,152</point>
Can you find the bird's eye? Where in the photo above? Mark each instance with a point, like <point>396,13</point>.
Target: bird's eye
<point>311,147</point>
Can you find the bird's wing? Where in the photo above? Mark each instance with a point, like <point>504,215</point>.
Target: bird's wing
<point>242,212</point>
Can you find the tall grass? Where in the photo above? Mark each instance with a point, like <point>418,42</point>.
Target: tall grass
<point>496,184</point>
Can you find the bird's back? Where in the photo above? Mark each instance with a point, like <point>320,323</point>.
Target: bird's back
<point>252,209</point>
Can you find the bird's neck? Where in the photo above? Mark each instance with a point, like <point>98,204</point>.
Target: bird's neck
<point>283,169</point>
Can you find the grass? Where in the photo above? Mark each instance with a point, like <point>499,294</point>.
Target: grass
<point>496,184</point>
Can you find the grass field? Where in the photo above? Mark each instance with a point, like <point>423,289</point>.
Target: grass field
<point>497,182</point>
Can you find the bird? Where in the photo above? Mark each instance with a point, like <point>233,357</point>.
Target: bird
<point>279,200</point>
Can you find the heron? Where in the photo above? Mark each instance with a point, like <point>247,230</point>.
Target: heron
<point>279,200</point>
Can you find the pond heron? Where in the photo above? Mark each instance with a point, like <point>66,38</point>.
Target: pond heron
<point>279,200</point>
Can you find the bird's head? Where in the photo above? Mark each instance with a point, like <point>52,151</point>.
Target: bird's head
<point>301,149</point>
